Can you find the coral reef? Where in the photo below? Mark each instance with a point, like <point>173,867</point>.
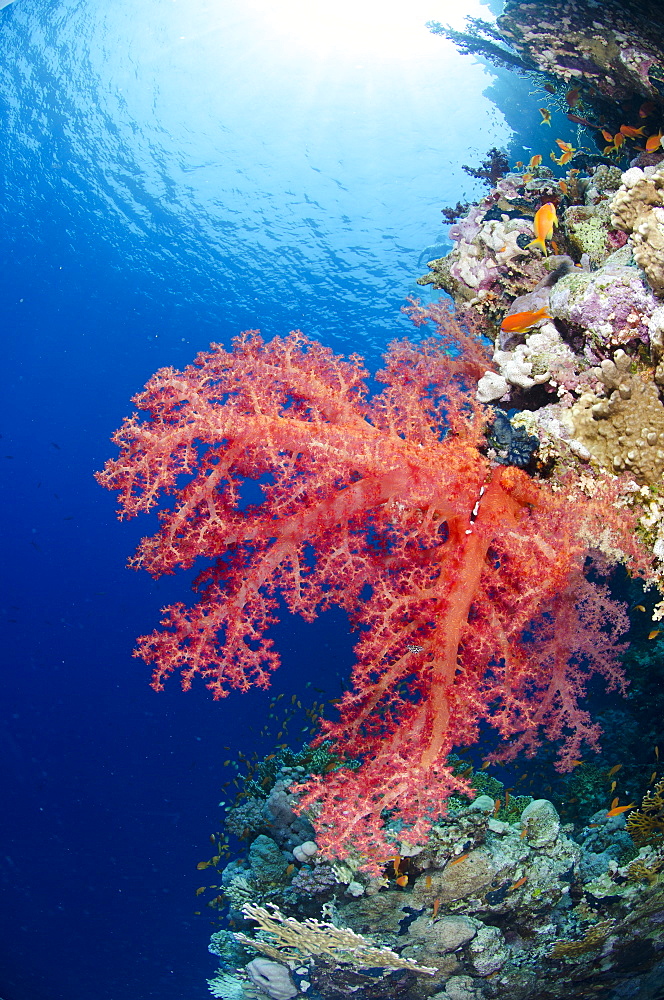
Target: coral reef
<point>616,47</point>
<point>490,907</point>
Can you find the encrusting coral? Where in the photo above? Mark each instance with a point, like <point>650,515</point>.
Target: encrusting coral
<point>624,427</point>
<point>638,208</point>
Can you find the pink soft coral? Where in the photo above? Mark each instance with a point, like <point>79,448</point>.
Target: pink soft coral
<point>466,580</point>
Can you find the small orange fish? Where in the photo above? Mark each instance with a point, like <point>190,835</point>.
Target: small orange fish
<point>646,109</point>
<point>522,321</point>
<point>543,223</point>
<point>436,907</point>
<point>613,787</point>
<point>496,806</point>
<point>618,140</point>
<point>203,864</point>
<point>427,881</point>
<point>518,883</point>
<point>657,753</point>
<point>546,116</point>
<point>507,798</point>
<point>655,632</point>
<point>402,880</point>
<point>632,132</point>
<point>652,777</point>
<point>200,890</point>
<point>563,187</point>
<point>576,763</point>
<point>566,147</point>
<point>534,161</point>
<point>639,607</point>
<point>614,803</point>
<point>618,810</point>
<point>518,165</point>
<point>613,770</point>
<point>525,178</point>
<point>462,857</point>
<point>524,833</point>
<point>290,869</point>
<point>607,135</point>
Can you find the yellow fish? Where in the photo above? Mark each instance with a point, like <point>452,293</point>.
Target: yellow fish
<point>543,223</point>
<point>546,116</point>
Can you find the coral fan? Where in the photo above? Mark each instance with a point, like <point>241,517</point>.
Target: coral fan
<point>466,579</point>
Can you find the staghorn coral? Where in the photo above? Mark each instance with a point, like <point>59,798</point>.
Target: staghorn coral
<point>623,428</point>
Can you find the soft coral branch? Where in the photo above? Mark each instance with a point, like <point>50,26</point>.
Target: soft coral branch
<point>465,580</point>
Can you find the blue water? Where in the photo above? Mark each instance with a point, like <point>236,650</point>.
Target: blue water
<point>174,172</point>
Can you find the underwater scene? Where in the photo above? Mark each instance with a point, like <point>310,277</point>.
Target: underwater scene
<point>333,500</point>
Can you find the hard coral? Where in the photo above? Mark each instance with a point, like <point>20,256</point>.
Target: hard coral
<point>623,429</point>
<point>638,208</point>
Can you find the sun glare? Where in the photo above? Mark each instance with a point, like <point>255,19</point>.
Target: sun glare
<point>361,28</point>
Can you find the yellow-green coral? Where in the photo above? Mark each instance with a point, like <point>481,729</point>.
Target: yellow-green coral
<point>646,824</point>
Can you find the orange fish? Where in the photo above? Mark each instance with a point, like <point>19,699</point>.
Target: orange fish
<point>546,116</point>
<point>534,161</point>
<point>614,803</point>
<point>522,321</point>
<point>524,833</point>
<point>563,187</point>
<point>525,178</point>
<point>613,786</point>
<point>543,223</point>
<point>607,135</point>
<point>646,109</point>
<point>402,880</point>
<point>657,753</point>
<point>427,881</point>
<point>462,857</point>
<point>618,810</point>
<point>566,147</point>
<point>655,632</point>
<point>576,763</point>
<point>618,140</point>
<point>613,770</point>
<point>518,883</point>
<point>436,906</point>
<point>564,158</point>
<point>632,132</point>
